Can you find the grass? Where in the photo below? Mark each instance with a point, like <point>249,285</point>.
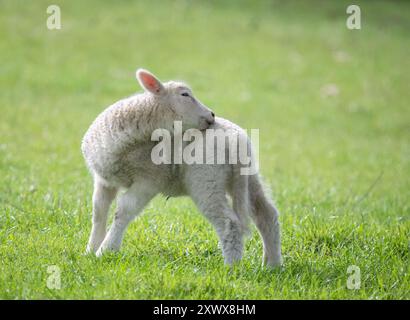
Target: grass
<point>332,106</point>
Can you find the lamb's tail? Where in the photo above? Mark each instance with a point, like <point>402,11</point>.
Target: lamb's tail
<point>260,203</point>
<point>241,199</point>
<point>266,217</point>
<point>249,200</point>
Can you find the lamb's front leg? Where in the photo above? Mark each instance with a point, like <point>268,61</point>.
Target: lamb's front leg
<point>102,199</point>
<point>130,204</point>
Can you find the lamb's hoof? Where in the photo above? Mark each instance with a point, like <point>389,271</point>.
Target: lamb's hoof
<point>99,252</point>
<point>273,264</point>
<point>103,250</point>
<point>89,251</point>
<point>232,261</point>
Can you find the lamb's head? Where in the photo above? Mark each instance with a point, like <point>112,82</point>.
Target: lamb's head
<point>177,96</point>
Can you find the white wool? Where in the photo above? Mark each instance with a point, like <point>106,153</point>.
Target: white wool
<point>117,150</point>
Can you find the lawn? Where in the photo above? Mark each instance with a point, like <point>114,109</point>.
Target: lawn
<point>331,104</point>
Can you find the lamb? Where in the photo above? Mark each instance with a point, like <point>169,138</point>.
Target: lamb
<point>117,150</point>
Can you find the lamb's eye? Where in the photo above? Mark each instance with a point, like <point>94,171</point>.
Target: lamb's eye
<point>185,94</point>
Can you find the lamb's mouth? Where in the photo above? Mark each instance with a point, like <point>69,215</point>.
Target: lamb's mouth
<point>205,127</point>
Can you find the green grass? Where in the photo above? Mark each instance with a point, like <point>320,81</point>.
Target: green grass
<point>338,165</point>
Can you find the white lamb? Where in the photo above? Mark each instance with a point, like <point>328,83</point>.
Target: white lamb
<point>117,149</point>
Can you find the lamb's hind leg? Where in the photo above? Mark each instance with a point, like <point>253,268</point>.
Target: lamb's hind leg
<point>130,205</point>
<point>265,216</point>
<point>102,199</point>
<point>216,209</point>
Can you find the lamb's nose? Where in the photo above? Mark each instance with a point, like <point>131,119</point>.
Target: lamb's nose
<point>212,120</point>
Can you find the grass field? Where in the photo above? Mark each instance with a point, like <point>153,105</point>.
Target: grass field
<point>332,106</point>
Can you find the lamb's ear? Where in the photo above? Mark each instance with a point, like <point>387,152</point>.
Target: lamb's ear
<point>149,82</point>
